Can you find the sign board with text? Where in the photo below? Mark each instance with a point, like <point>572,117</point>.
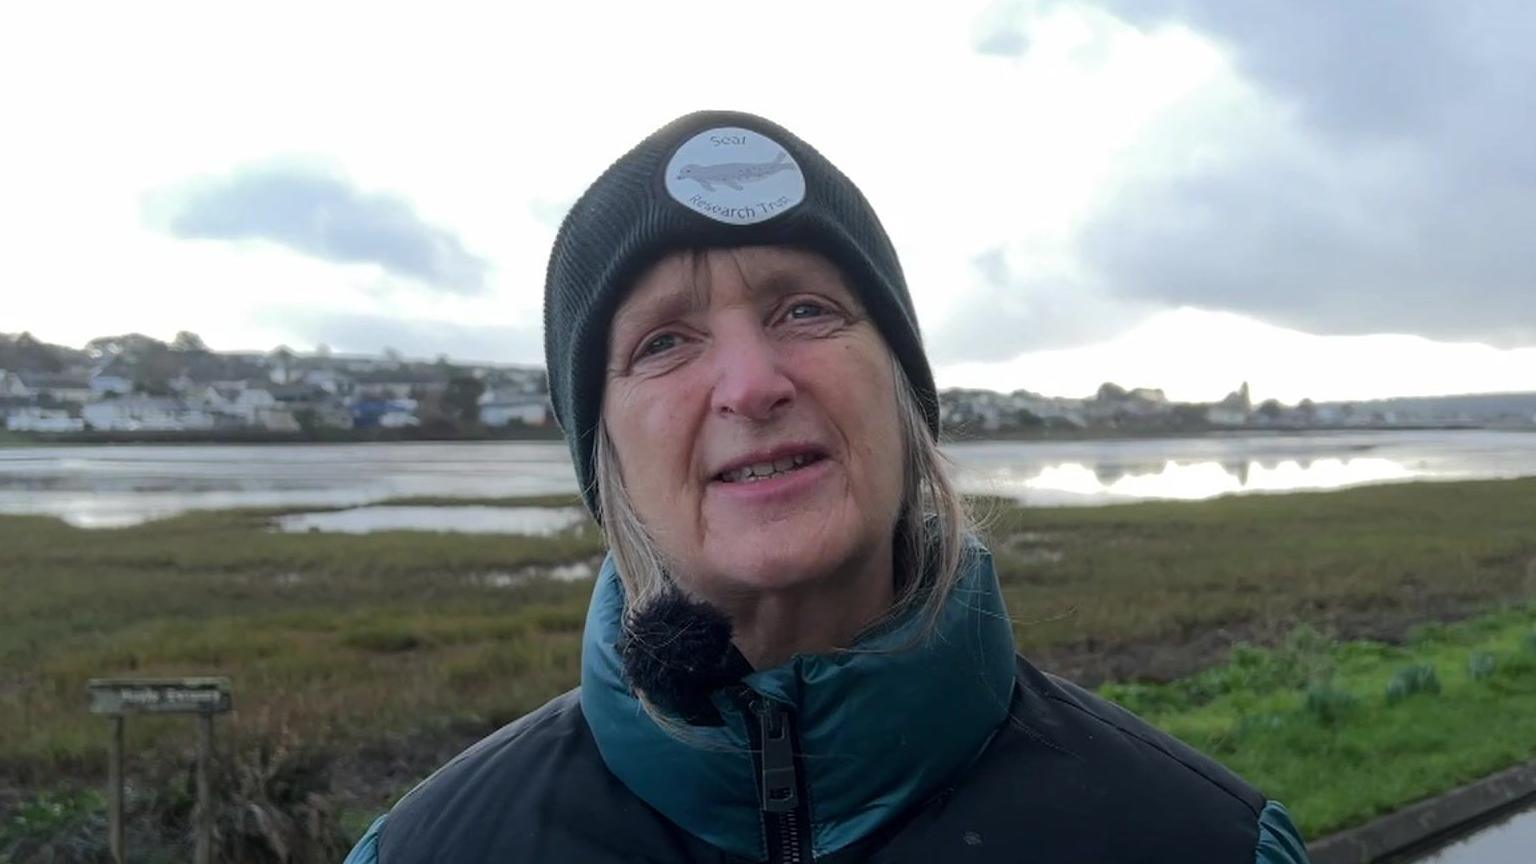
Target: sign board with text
<point>119,696</point>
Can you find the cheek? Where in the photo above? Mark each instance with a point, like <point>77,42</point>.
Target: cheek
<point>652,431</point>
<point>869,418</point>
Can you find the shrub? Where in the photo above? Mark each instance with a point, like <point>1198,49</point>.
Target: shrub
<point>1305,656</point>
<point>1411,680</point>
<point>56,826</point>
<point>1329,704</point>
<point>1481,665</point>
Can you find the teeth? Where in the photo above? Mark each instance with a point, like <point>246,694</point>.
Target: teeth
<point>761,470</point>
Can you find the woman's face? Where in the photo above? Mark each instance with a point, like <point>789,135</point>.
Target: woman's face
<point>728,365</point>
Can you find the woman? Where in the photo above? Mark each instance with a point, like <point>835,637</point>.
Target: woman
<point>795,650</point>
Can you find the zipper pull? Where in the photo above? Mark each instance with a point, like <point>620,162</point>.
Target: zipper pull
<point>780,786</point>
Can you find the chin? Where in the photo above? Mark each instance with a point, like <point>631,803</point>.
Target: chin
<point>780,555</point>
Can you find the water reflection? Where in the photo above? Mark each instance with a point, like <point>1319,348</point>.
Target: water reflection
<point>1508,841</point>
<point>1066,473</point>
<point>103,487</point>
<point>1076,482</point>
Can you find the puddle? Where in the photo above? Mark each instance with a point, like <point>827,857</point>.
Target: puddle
<point>1508,841</point>
<point>573,572</point>
<point>534,521</point>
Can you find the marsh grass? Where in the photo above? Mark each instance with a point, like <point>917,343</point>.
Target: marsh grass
<point>1161,590</point>
<point>383,649</point>
<point>1388,725</point>
<point>339,637</point>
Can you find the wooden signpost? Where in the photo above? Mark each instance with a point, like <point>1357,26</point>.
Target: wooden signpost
<point>119,697</point>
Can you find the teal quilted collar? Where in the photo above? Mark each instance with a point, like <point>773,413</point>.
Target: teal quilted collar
<point>881,728</point>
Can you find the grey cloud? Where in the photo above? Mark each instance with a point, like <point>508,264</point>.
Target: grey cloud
<point>326,217</point>
<point>1383,69</point>
<point>1410,205</point>
<point>1325,255</point>
<point>1010,312</point>
<point>1001,29</point>
<point>413,338</point>
<point>1001,32</point>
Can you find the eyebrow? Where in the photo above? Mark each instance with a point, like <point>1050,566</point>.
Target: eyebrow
<point>691,295</point>
<point>676,301</point>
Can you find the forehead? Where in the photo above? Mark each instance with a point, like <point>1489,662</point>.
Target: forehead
<point>691,280</point>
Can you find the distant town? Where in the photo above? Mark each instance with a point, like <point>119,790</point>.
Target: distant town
<point>134,387</point>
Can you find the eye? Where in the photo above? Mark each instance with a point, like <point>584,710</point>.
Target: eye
<point>657,344</point>
<point>806,309</point>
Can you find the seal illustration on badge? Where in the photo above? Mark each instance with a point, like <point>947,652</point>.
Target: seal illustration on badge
<point>734,175</point>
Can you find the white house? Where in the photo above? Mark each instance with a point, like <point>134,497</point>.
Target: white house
<point>246,404</point>
<point>61,387</point>
<point>329,380</point>
<point>31,419</point>
<point>11,385</point>
<point>144,414</point>
<point>106,380</point>
<point>1222,414</point>
<point>397,420</point>
<point>503,407</point>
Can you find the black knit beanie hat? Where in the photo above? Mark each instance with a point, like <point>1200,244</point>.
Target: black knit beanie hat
<point>709,179</point>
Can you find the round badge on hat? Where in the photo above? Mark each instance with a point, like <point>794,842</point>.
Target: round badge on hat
<point>735,175</point>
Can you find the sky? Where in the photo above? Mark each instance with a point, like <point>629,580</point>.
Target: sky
<point>1326,200</point>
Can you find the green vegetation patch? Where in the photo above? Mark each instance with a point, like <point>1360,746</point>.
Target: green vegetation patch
<point>407,644</point>
<point>1343,732</point>
<point>1161,590</point>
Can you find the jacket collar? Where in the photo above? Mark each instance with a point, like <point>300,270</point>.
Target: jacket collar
<point>881,728</point>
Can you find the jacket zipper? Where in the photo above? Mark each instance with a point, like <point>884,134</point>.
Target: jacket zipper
<point>785,811</point>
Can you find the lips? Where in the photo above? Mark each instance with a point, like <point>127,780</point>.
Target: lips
<point>772,463</point>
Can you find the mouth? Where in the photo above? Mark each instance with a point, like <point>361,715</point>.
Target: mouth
<point>756,469</point>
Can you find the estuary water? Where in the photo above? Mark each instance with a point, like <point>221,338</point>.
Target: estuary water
<point>112,486</point>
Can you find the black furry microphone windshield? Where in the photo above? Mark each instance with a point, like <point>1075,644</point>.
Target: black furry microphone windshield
<point>678,651</point>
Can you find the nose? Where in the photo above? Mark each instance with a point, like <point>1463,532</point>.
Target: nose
<point>750,380</point>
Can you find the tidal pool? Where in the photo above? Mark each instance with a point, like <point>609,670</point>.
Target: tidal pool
<point>527,521</point>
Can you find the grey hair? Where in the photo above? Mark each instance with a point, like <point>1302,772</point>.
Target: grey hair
<point>930,535</point>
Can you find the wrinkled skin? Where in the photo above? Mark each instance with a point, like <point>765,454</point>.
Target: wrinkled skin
<point>722,355</point>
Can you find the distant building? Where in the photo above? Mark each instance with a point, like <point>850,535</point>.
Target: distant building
<point>384,414</point>
<point>328,380</point>
<point>276,420</point>
<point>503,407</point>
<point>60,387</point>
<point>11,386</point>
<point>145,414</point>
<point>1222,414</point>
<point>1233,410</point>
<point>114,378</point>
<point>243,403</point>
<point>33,419</point>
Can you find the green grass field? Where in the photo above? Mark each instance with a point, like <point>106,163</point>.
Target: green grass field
<point>1345,731</point>
<point>385,651</point>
